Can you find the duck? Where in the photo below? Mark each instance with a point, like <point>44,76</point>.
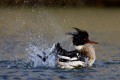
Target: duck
<point>82,56</point>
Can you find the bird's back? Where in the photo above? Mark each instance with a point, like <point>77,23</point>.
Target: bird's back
<point>86,54</point>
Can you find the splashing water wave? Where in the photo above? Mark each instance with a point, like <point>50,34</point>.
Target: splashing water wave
<point>50,53</point>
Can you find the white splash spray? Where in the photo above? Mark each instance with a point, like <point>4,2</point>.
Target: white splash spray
<point>34,51</point>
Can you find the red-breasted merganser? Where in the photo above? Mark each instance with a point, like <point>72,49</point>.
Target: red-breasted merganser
<point>82,56</point>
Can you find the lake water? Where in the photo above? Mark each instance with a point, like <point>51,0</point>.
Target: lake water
<point>21,27</point>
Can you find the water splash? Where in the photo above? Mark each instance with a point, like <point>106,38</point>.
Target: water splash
<point>51,54</point>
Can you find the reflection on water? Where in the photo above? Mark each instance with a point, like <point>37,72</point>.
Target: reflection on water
<point>20,27</point>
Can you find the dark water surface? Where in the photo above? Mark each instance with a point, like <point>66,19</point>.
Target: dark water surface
<point>20,27</point>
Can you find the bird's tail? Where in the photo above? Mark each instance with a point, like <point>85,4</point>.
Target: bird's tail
<point>59,49</point>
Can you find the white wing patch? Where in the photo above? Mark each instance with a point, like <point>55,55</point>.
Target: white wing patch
<point>67,58</point>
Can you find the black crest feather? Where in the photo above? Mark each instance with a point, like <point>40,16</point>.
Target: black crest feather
<point>81,32</point>
<point>80,37</point>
